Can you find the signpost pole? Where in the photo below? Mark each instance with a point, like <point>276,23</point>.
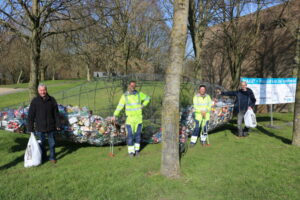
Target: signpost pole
<point>271,113</point>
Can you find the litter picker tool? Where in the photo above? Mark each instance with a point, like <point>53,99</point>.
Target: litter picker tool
<point>111,143</point>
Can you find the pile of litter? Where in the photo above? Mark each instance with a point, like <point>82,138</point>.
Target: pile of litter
<point>77,125</point>
<point>81,126</point>
<point>14,120</point>
<point>221,113</point>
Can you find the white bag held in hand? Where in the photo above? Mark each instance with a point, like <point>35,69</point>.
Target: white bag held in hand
<point>33,153</point>
<point>250,119</point>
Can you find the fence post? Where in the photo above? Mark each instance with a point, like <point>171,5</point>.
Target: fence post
<point>63,97</point>
<point>79,95</point>
<point>95,95</point>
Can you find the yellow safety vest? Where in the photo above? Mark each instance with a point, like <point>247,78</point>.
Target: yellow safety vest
<point>202,103</point>
<point>133,103</point>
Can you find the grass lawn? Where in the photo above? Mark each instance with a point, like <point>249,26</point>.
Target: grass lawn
<point>261,166</point>
<point>20,97</point>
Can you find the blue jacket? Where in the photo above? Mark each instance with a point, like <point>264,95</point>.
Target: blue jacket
<point>243,99</point>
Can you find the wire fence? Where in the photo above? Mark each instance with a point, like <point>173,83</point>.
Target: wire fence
<point>102,94</point>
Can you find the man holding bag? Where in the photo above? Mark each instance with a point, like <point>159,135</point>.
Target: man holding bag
<point>43,119</point>
<point>244,100</point>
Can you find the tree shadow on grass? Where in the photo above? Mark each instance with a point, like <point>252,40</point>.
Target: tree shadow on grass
<point>143,146</point>
<point>229,126</point>
<point>12,163</point>
<point>67,148</point>
<point>265,119</point>
<point>269,133</point>
<point>21,144</point>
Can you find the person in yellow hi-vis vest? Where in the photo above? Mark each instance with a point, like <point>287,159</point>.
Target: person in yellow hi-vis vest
<point>202,107</point>
<point>134,102</point>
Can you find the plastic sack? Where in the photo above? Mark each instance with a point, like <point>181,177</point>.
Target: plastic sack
<point>33,153</point>
<point>250,119</point>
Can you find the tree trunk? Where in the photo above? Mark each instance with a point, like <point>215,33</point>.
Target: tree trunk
<point>43,72</point>
<point>20,76</point>
<point>35,47</point>
<point>88,73</point>
<point>236,76</point>
<point>197,31</point>
<point>170,166</point>
<point>296,128</point>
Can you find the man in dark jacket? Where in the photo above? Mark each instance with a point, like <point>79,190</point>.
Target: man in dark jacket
<point>43,119</point>
<point>245,100</point>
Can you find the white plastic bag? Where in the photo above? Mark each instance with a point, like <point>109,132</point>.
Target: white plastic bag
<point>250,119</point>
<point>33,153</point>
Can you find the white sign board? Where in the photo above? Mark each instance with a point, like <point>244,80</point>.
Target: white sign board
<point>272,90</point>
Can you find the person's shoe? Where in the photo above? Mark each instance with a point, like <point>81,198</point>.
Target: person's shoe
<point>131,155</point>
<point>53,161</point>
<point>137,154</point>
<point>192,145</point>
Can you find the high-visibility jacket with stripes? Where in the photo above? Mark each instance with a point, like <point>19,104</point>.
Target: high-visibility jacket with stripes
<point>202,103</point>
<point>133,103</point>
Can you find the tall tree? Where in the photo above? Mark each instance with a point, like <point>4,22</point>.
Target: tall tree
<point>34,20</point>
<point>201,14</point>
<point>170,113</point>
<point>238,35</point>
<point>296,128</point>
<point>293,26</point>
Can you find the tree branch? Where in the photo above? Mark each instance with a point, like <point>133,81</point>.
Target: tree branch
<point>11,28</point>
<point>24,6</point>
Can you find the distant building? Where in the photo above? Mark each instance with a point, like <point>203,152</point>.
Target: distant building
<point>100,74</point>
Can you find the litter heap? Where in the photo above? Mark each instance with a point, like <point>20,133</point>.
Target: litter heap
<point>81,126</point>
<point>78,125</point>
<point>221,113</point>
<point>14,120</point>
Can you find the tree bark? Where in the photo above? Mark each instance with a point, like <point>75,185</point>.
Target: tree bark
<point>170,166</point>
<point>296,128</point>
<point>88,73</point>
<point>20,76</point>
<point>43,72</point>
<point>35,46</point>
<point>197,30</point>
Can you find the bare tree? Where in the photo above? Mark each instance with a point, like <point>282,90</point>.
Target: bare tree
<point>35,20</point>
<point>201,15</point>
<point>296,128</point>
<point>293,25</point>
<point>170,113</point>
<point>237,34</point>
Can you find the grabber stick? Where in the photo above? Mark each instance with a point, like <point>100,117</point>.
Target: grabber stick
<point>111,145</point>
<point>207,133</point>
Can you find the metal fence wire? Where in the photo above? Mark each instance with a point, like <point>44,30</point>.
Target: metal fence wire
<point>102,94</point>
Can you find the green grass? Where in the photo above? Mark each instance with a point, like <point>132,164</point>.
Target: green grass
<point>101,96</point>
<point>20,97</point>
<point>47,82</point>
<point>261,166</point>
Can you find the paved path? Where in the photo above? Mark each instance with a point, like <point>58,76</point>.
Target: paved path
<point>4,91</point>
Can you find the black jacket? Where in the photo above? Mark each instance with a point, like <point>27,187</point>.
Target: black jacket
<point>43,115</point>
<point>243,100</point>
